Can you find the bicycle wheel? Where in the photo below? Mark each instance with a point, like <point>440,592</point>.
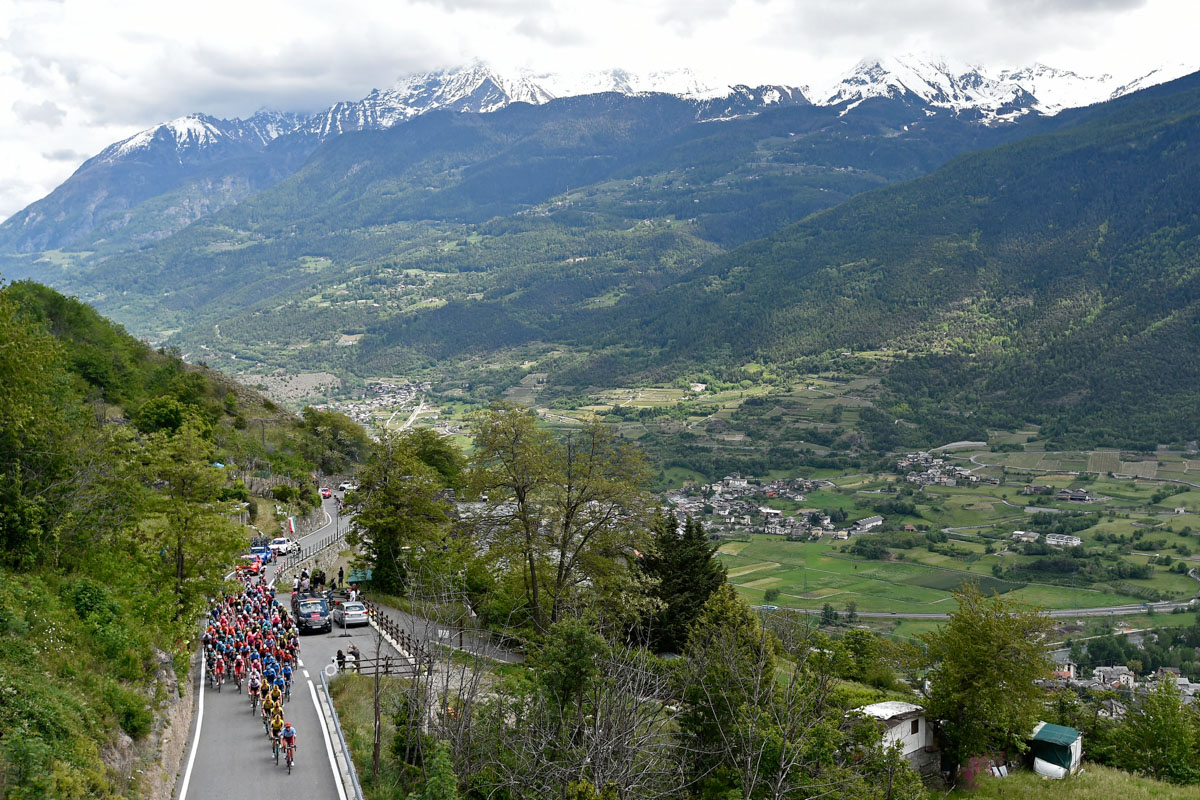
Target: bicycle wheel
<point>291,757</point>
<point>275,748</point>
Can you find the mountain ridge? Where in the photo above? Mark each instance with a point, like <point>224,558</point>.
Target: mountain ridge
<point>193,165</point>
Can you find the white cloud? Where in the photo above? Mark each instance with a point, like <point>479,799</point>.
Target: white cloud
<point>80,74</point>
<point>45,112</point>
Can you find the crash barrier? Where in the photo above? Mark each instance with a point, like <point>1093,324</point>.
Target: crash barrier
<point>344,761</point>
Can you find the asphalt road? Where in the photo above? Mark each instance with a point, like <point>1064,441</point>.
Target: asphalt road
<point>231,756</point>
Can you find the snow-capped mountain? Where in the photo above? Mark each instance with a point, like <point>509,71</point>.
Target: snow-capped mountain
<point>977,91</point>
<point>481,89</point>
<point>477,89</point>
<point>196,164</point>
<point>197,134</point>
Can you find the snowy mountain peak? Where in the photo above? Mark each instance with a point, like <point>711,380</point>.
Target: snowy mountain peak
<point>991,95</point>
<point>931,80</point>
<point>196,133</point>
<point>192,131</point>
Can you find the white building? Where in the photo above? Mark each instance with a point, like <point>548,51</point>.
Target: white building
<point>864,525</point>
<point>1063,540</point>
<point>905,725</point>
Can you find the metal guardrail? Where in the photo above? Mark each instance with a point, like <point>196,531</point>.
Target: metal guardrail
<point>337,724</point>
<point>296,558</point>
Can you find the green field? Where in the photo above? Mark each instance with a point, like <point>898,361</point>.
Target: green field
<point>810,574</point>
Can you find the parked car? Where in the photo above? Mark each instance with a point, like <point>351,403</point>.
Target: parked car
<point>326,492</point>
<point>264,552</point>
<point>311,613</point>
<point>345,486</point>
<point>283,545</point>
<point>248,565</point>
<point>350,613</point>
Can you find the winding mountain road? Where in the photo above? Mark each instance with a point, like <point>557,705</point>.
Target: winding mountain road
<point>230,755</point>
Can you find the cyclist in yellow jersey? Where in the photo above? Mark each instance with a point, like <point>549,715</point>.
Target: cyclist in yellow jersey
<point>268,708</point>
<point>276,695</point>
<point>276,728</point>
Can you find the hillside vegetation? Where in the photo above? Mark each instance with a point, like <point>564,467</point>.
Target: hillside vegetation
<point>455,233</point>
<point>115,524</point>
<point>1053,280</point>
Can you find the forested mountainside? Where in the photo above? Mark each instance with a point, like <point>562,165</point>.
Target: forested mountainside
<point>533,209</point>
<point>115,523</point>
<point>1055,279</point>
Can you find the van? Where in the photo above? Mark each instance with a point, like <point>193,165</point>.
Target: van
<point>312,613</point>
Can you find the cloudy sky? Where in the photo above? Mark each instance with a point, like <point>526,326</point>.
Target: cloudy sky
<point>76,75</point>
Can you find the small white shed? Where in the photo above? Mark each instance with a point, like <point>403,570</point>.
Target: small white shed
<point>905,725</point>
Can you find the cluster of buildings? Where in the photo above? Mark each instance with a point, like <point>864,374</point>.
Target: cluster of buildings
<point>924,469</point>
<point>734,504</point>
<point>1121,678</point>
<point>377,397</point>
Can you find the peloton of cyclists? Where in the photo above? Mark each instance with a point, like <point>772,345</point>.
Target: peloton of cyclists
<point>251,634</point>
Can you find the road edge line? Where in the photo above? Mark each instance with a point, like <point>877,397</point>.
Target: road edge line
<point>187,773</point>
<point>337,775</point>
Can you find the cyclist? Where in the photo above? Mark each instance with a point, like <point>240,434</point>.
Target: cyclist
<point>252,687</point>
<point>239,668</point>
<point>219,670</point>
<point>287,679</point>
<point>268,710</point>
<point>276,728</point>
<point>289,737</point>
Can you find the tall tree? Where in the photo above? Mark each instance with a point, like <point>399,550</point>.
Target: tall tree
<point>985,662</point>
<point>193,523</point>
<point>335,441</point>
<point>570,511</point>
<point>687,572</point>
<point>400,522</point>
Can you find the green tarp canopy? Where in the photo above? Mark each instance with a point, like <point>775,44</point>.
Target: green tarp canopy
<point>1052,744</point>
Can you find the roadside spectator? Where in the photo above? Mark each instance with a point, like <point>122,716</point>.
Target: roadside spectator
<point>340,658</point>
<point>357,656</point>
<point>341,580</point>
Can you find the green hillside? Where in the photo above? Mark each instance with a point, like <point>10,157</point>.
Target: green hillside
<point>116,521</point>
<point>1053,280</point>
<point>454,231</point>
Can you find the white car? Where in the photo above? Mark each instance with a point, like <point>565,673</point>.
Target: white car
<point>350,613</point>
<point>284,545</point>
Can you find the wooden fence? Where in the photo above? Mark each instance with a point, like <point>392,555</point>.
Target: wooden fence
<point>408,643</point>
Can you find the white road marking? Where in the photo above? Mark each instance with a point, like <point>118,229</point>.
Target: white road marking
<point>299,663</point>
<point>306,673</point>
<point>337,778</point>
<point>187,774</point>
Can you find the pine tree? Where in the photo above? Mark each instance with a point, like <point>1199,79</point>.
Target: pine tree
<point>685,565</point>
